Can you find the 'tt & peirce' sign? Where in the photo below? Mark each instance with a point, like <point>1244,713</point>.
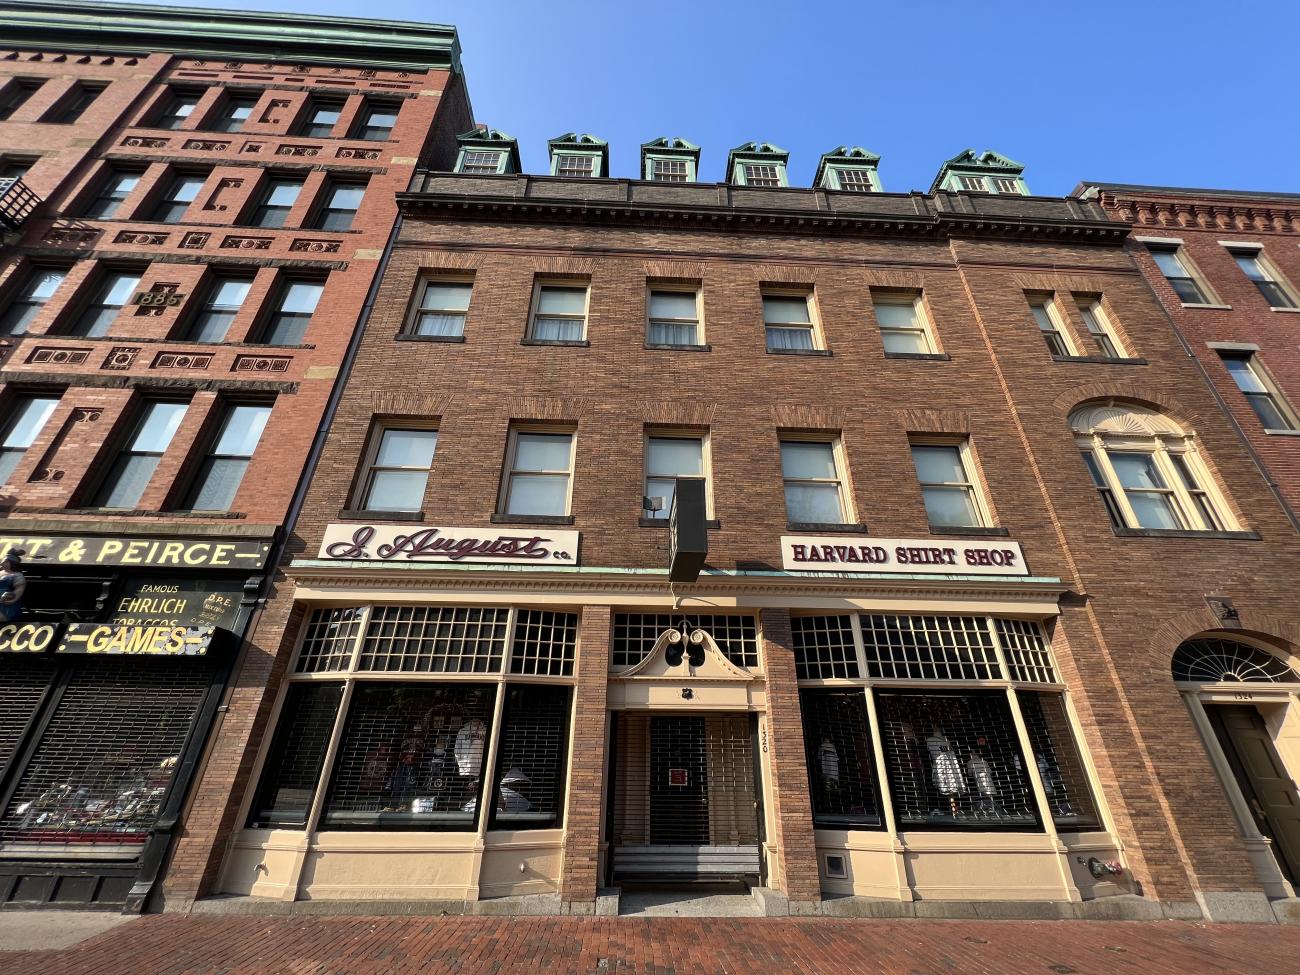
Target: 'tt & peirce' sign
<point>400,543</point>
<point>916,556</point>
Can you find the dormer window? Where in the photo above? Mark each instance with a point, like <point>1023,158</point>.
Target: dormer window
<point>981,172</point>
<point>974,184</point>
<point>851,169</point>
<point>575,166</point>
<point>669,170</point>
<point>578,155</point>
<point>761,174</point>
<point>479,163</point>
<point>1006,184</point>
<point>854,180</point>
<point>757,164</point>
<point>487,152</point>
<point>669,159</point>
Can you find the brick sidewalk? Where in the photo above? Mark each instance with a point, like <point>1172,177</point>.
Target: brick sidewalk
<point>180,945</point>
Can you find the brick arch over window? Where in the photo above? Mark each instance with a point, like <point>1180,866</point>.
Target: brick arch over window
<point>1278,635</point>
<point>1125,394</point>
<point>1122,419</point>
<point>1215,659</point>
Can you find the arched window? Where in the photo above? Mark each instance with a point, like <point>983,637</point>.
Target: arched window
<point>1218,661</point>
<point>1148,470</point>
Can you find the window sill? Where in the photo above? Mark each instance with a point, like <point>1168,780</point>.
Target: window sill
<point>659,346</point>
<point>358,514</point>
<point>968,530</point>
<point>131,513</point>
<point>1183,533</point>
<point>1285,311</point>
<point>572,343</point>
<point>1100,358</point>
<point>407,337</point>
<point>822,352</point>
<point>920,356</point>
<point>644,522</point>
<point>532,519</point>
<point>833,527</point>
<point>1282,433</point>
<point>1207,306</point>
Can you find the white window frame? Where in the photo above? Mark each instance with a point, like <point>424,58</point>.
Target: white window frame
<point>464,161</point>
<point>974,489</point>
<point>509,470</point>
<point>697,292</point>
<point>1269,271</point>
<point>535,304</point>
<point>1013,190</point>
<point>592,157</point>
<point>970,183</point>
<point>411,325</point>
<point>373,443</point>
<point>923,327</point>
<point>869,178</point>
<point>1093,311</point>
<point>1048,301</point>
<point>1271,390</point>
<point>706,466</point>
<point>1160,447</point>
<point>814,317</point>
<point>652,168</point>
<point>1178,250</point>
<point>841,480</point>
<point>778,174</point>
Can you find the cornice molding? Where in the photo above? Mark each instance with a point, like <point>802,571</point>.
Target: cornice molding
<point>1144,210</point>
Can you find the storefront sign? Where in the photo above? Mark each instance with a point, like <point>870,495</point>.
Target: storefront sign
<point>26,637</point>
<point>180,553</point>
<point>116,638</point>
<point>399,543</point>
<point>180,602</point>
<point>920,556</point>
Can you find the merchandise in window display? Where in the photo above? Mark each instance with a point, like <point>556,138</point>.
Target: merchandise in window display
<point>121,812</point>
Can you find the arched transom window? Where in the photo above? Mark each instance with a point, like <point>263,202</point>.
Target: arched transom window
<point>1218,661</point>
<point>1148,471</point>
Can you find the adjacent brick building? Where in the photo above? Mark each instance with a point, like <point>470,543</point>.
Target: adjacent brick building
<point>987,565</point>
<point>195,207</point>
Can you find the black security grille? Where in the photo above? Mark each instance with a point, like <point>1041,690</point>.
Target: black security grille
<point>293,767</point>
<point>411,757</point>
<point>435,639</point>
<point>1059,767</point>
<point>1026,651</point>
<point>531,757</point>
<point>954,761</point>
<point>544,643</point>
<point>329,640</point>
<point>840,756</point>
<point>103,765</point>
<point>23,682</point>
<point>929,648</point>
<point>635,635</point>
<point>823,647</point>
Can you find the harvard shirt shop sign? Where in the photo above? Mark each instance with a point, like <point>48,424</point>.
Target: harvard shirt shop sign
<point>915,556</point>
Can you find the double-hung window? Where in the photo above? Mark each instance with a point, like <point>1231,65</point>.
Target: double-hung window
<point>221,303</point>
<point>666,459</point>
<point>340,206</point>
<point>538,473</point>
<point>480,162</point>
<point>559,313</point>
<point>575,166</point>
<point>134,466</point>
<point>113,292</point>
<point>278,198</point>
<point>442,309</point>
<point>1173,265</point>
<point>236,109</point>
<point>947,485</point>
<point>1099,327</point>
<point>31,298</point>
<point>27,417</point>
<point>788,321</point>
<point>973,184</point>
<point>1048,319</point>
<point>321,117</point>
<point>70,108</point>
<point>1255,267</point>
<point>183,191</point>
<point>670,170</point>
<point>904,329</point>
<point>1258,390</point>
<point>854,180</point>
<point>15,94</point>
<point>1006,184</point>
<point>762,174</point>
<point>674,317</point>
<point>293,312</point>
<point>398,470</point>
<point>179,107</point>
<point>227,459</point>
<point>377,121</point>
<point>814,493</point>
<point>117,186</point>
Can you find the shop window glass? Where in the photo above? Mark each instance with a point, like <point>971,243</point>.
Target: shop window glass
<point>823,647</point>
<point>435,639</point>
<point>635,635</point>
<point>1026,651</point>
<point>531,758</point>
<point>544,643</point>
<point>97,780</point>
<point>929,648</point>
<point>329,640</point>
<point>293,766</point>
<point>954,761</point>
<point>840,758</point>
<point>411,757</point>
<point>1065,782</point>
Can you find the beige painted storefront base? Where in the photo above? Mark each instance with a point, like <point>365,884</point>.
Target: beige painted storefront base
<point>284,865</point>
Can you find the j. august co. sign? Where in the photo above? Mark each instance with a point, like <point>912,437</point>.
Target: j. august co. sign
<point>920,556</point>
<point>399,543</point>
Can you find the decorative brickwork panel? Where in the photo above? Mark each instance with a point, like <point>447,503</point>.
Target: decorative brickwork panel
<point>261,363</point>
<point>55,356</point>
<point>121,357</point>
<point>316,246</point>
<point>181,360</point>
<point>140,239</point>
<point>287,150</point>
<point>205,145</point>
<point>141,142</point>
<point>195,240</point>
<point>247,243</point>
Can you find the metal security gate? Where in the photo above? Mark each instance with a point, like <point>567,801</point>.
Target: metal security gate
<point>685,798</point>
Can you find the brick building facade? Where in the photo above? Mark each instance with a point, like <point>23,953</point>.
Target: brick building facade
<point>215,191</point>
<point>968,502</point>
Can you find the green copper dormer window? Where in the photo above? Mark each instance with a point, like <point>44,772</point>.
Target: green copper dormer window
<point>480,162</point>
<point>987,172</point>
<point>848,168</point>
<point>670,160</point>
<point>758,164</point>
<point>579,156</point>
<point>487,152</point>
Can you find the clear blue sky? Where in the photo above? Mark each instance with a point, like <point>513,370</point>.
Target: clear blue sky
<point>1178,92</point>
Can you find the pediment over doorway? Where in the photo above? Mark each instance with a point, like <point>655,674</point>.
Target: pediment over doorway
<point>701,659</point>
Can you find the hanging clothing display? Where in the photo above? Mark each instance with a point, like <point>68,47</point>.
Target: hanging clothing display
<point>469,747</point>
<point>945,768</point>
<point>829,759</point>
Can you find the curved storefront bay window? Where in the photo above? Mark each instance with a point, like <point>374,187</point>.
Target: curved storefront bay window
<point>394,715</point>
<point>1148,471</point>
<point>955,757</point>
